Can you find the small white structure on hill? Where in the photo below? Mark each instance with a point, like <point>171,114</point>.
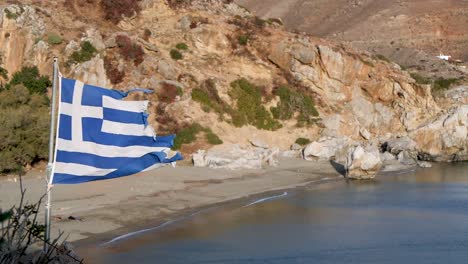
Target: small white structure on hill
<point>444,57</point>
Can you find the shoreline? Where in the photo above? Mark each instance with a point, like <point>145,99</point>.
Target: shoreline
<point>97,212</point>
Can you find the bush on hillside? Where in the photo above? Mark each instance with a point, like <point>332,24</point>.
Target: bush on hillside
<point>115,10</point>
<point>113,73</point>
<point>249,106</point>
<point>86,53</point>
<point>420,79</point>
<point>54,39</point>
<point>176,55</point>
<point>441,84</point>
<point>129,50</point>
<point>292,102</point>
<point>31,79</point>
<point>3,73</point>
<point>302,141</point>
<point>24,119</point>
<point>168,92</point>
<point>243,40</point>
<point>189,135</point>
<point>181,46</point>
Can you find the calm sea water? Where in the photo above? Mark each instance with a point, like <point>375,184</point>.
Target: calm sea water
<point>415,217</point>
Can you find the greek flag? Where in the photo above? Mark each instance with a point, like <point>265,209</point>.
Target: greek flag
<point>100,136</point>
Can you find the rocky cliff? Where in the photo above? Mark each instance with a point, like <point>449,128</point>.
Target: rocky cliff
<point>219,50</point>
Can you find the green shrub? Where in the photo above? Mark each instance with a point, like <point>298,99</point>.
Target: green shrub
<point>204,99</point>
<point>182,46</point>
<point>189,135</point>
<point>249,106</point>
<point>86,53</point>
<point>30,78</point>
<point>212,138</point>
<point>294,102</point>
<point>443,84</point>
<point>3,73</point>
<point>24,119</point>
<point>382,57</point>
<point>420,79</point>
<point>302,141</point>
<point>243,40</point>
<point>176,55</point>
<point>10,15</point>
<point>54,39</point>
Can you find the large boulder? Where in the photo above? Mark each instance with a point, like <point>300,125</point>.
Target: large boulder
<point>324,149</point>
<point>445,138</point>
<point>233,157</point>
<point>363,162</point>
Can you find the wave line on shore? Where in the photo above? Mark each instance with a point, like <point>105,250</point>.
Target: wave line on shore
<point>266,199</point>
<point>131,234</point>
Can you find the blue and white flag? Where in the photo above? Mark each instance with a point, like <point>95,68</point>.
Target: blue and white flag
<point>100,136</point>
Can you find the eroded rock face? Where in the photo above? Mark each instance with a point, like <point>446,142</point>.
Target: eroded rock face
<point>18,39</point>
<point>363,162</point>
<point>445,138</point>
<point>367,100</point>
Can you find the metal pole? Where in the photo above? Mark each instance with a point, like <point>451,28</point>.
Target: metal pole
<point>51,155</point>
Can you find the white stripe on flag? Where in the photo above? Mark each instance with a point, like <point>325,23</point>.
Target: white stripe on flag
<point>126,129</point>
<point>80,169</point>
<point>105,150</point>
<point>77,125</point>
<point>131,106</point>
<point>86,111</point>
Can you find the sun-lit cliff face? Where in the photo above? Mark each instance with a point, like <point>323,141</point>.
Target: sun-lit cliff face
<point>213,64</point>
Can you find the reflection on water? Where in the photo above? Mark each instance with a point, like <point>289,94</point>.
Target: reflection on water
<point>417,217</point>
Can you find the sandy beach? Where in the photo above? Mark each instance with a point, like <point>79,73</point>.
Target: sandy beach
<point>106,209</point>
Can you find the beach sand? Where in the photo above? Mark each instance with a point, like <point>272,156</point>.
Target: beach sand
<point>106,209</point>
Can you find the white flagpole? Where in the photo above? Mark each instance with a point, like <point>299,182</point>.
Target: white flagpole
<point>51,155</point>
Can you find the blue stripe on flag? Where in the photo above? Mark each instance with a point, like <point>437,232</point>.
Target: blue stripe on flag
<point>65,127</point>
<point>68,86</point>
<point>130,168</point>
<point>99,161</point>
<point>123,116</point>
<point>92,95</point>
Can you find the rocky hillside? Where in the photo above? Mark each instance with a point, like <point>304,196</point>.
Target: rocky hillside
<point>221,75</point>
<point>410,32</point>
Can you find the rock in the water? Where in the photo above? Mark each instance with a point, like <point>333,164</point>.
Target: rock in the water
<point>407,158</point>
<point>424,164</point>
<point>324,148</point>
<point>363,162</point>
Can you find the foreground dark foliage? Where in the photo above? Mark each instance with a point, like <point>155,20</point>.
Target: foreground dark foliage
<point>22,236</point>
